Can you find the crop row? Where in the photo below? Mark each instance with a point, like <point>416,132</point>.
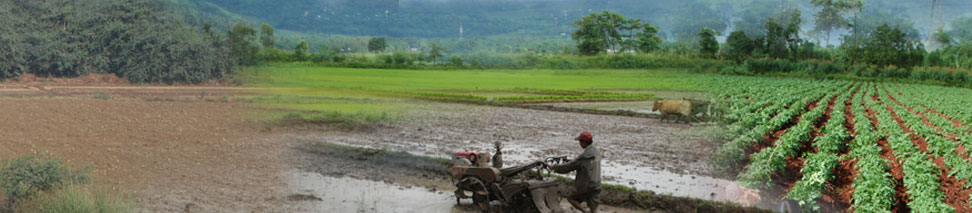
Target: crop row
<point>938,145</point>
<point>773,159</point>
<point>765,121</point>
<point>819,166</point>
<point>873,184</point>
<point>951,101</point>
<point>921,175</point>
<point>925,129</point>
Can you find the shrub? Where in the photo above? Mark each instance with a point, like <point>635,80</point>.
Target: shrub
<point>762,66</point>
<point>400,58</point>
<point>894,72</point>
<point>77,198</point>
<point>26,176</point>
<point>735,70</point>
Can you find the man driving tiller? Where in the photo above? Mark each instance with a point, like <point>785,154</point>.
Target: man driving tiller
<point>587,183</point>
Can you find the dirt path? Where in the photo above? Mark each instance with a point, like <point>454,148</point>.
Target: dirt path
<point>176,156</point>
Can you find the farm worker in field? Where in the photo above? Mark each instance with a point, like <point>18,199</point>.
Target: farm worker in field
<point>587,183</point>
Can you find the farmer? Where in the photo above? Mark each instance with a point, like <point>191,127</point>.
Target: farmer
<point>587,183</point>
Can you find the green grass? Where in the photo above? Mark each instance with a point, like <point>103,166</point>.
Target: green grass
<point>78,198</point>
<point>309,76</point>
<point>343,92</point>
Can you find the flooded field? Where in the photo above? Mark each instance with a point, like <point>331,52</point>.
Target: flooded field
<point>638,152</point>
<point>345,194</point>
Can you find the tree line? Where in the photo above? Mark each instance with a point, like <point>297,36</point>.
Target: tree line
<point>251,47</point>
<point>140,40</point>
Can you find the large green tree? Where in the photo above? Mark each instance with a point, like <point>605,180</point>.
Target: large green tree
<point>599,32</point>
<point>266,35</point>
<point>738,46</point>
<point>884,46</point>
<point>648,39</point>
<point>708,45</point>
<point>782,37</point>
<point>435,52</point>
<point>377,45</point>
<point>301,51</point>
<point>242,39</point>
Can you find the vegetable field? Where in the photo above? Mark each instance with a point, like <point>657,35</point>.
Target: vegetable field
<point>838,145</point>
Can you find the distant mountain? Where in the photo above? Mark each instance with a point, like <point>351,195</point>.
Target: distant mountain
<point>519,18</point>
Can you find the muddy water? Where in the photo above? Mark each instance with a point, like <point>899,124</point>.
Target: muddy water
<point>629,173</point>
<point>641,153</point>
<point>626,173</point>
<point>318,193</point>
<point>643,107</point>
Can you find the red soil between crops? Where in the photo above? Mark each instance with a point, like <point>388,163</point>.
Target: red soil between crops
<point>943,115</point>
<point>785,180</point>
<point>770,139</point>
<point>955,194</point>
<point>960,149</point>
<point>839,192</point>
<point>897,172</point>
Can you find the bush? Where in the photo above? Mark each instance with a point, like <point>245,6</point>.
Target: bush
<point>950,77</point>
<point>77,198</point>
<point>735,70</point>
<point>456,61</point>
<point>762,66</point>
<point>401,58</point>
<point>893,72</point>
<point>23,177</point>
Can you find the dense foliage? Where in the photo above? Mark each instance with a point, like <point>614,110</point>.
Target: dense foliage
<point>708,45</point>
<point>884,46</point>
<point>26,176</point>
<point>136,39</point>
<point>609,31</point>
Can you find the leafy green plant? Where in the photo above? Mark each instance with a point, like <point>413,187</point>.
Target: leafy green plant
<point>23,177</point>
<point>78,198</point>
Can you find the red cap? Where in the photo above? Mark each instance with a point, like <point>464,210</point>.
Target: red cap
<point>585,136</point>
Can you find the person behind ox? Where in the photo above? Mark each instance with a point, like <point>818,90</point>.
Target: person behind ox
<point>587,183</point>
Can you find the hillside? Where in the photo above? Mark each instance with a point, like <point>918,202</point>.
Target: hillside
<point>531,18</point>
<point>140,40</point>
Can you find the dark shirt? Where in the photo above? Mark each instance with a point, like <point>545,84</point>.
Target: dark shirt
<point>588,167</point>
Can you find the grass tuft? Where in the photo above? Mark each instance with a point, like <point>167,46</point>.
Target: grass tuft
<point>78,198</point>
